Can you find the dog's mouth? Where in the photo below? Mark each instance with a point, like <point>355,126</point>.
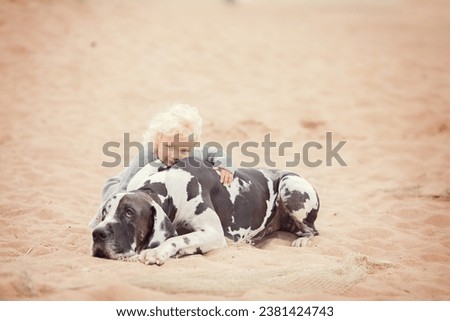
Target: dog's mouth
<point>105,253</point>
<point>100,254</point>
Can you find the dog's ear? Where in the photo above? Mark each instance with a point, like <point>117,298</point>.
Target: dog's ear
<point>162,228</point>
<point>151,222</point>
<point>144,237</point>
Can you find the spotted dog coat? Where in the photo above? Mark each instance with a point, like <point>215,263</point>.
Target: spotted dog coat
<point>186,210</point>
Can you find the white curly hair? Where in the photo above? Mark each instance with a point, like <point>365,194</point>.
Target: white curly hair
<point>177,119</point>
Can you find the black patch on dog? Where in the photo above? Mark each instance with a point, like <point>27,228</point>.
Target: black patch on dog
<point>296,200</point>
<point>153,245</point>
<point>186,240</point>
<point>198,251</point>
<point>157,187</point>
<point>312,216</point>
<point>192,189</point>
<point>201,207</point>
<point>169,208</point>
<point>167,227</point>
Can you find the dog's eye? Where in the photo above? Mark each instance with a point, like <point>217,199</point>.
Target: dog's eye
<point>129,212</point>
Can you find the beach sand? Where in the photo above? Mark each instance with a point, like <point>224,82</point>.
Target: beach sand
<point>75,75</point>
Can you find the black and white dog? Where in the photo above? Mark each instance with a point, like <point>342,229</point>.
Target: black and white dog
<point>186,210</point>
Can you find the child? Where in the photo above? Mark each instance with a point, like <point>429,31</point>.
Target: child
<point>170,133</point>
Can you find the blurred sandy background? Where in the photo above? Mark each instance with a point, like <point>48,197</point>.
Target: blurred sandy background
<point>77,74</point>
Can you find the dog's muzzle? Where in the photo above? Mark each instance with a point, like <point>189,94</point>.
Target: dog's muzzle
<point>101,236</point>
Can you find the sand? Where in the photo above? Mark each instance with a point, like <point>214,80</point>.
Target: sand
<point>75,75</point>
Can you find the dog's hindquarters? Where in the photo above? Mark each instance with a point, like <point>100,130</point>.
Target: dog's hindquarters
<point>300,205</point>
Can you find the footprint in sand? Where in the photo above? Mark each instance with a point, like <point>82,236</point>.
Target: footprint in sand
<point>311,124</point>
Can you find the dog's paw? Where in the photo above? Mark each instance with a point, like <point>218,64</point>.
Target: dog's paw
<point>152,256</point>
<point>301,242</point>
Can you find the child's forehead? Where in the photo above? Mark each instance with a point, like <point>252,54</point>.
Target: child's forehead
<point>170,138</point>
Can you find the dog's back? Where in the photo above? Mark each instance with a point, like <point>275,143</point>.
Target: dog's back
<point>250,207</point>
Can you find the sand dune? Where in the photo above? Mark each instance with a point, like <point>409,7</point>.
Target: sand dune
<point>75,75</point>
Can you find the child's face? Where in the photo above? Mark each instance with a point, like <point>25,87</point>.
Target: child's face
<point>173,148</point>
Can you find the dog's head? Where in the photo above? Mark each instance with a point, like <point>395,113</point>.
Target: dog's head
<point>131,222</point>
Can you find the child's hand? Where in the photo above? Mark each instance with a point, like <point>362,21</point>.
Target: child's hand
<point>225,176</point>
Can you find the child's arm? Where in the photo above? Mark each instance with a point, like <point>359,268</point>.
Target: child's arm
<point>219,159</point>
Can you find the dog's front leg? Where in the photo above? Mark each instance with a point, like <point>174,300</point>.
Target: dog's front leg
<point>208,235</point>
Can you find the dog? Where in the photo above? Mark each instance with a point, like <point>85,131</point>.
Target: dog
<point>185,209</point>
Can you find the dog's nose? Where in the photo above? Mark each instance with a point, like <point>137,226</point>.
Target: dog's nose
<point>100,234</point>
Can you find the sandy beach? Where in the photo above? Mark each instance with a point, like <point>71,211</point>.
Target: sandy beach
<point>75,75</point>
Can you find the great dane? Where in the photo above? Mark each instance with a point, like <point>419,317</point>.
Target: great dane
<point>185,209</point>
